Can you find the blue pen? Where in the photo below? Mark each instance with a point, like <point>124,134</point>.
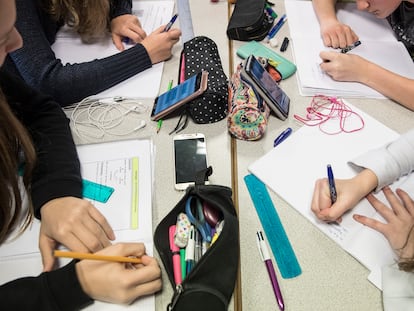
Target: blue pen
<point>276,27</point>
<point>285,134</point>
<point>170,23</point>
<point>331,180</point>
<point>190,249</point>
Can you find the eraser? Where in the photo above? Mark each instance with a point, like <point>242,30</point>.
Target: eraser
<point>273,42</point>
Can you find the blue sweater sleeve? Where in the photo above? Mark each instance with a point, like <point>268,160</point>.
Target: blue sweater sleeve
<point>120,7</point>
<point>37,64</point>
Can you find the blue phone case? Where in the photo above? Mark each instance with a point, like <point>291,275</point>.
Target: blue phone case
<point>285,67</point>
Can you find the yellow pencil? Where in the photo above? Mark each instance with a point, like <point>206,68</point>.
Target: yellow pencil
<point>75,255</point>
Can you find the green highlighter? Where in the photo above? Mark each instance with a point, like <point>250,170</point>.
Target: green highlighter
<point>285,67</point>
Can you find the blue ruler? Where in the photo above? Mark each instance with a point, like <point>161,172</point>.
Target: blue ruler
<point>282,250</point>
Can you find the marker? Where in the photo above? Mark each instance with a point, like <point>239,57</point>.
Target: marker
<point>350,47</point>
<point>331,180</point>
<point>284,44</point>
<point>276,27</point>
<point>175,256</point>
<point>170,23</point>
<point>264,254</point>
<point>159,124</point>
<point>285,134</point>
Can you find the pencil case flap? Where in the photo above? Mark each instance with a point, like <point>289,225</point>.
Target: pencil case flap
<point>201,53</point>
<point>210,284</point>
<point>249,21</point>
<point>285,66</point>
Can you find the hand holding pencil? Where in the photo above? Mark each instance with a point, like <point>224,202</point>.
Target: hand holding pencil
<point>106,277</point>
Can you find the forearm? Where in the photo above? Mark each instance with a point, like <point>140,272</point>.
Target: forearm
<point>391,85</point>
<point>366,181</point>
<point>56,290</point>
<point>120,7</point>
<point>57,170</point>
<point>324,10</point>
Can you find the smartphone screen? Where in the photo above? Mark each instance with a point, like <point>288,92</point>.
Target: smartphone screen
<point>190,156</point>
<point>267,84</point>
<point>177,96</point>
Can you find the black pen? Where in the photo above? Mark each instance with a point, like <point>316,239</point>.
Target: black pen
<point>332,188</point>
<point>350,47</point>
<point>170,23</point>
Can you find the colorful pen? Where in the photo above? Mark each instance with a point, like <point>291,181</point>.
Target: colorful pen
<point>264,253</point>
<point>189,250</point>
<point>170,23</point>
<point>331,180</point>
<point>175,256</point>
<point>350,47</point>
<point>284,44</point>
<point>276,27</point>
<point>285,134</point>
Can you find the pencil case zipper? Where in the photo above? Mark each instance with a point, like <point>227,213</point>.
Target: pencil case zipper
<point>182,289</point>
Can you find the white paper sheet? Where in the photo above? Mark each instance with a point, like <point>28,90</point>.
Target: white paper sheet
<point>379,45</point>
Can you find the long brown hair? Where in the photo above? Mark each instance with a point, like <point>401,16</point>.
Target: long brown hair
<point>14,140</point>
<point>90,18</point>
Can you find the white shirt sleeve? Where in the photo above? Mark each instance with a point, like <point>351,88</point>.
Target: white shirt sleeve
<point>391,161</point>
<point>397,289</point>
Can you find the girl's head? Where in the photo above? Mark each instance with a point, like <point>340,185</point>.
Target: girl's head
<point>14,139</point>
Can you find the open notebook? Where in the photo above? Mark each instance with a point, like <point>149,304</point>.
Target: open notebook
<point>291,169</point>
<point>379,45</point>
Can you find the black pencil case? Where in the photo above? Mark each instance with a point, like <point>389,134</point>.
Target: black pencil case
<point>210,284</point>
<point>249,21</point>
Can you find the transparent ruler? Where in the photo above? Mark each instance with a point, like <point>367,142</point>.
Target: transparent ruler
<point>186,22</point>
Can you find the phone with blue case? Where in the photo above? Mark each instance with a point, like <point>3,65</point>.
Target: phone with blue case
<point>285,67</point>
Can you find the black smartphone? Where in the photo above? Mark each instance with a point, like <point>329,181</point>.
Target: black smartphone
<point>254,74</point>
<point>175,98</point>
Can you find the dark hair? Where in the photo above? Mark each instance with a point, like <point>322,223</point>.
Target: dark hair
<point>14,140</point>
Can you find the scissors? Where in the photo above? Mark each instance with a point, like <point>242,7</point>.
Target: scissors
<point>195,214</point>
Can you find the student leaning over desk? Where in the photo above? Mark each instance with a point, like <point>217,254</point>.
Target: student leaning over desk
<point>351,67</point>
<point>38,21</point>
<point>379,168</point>
<point>35,131</point>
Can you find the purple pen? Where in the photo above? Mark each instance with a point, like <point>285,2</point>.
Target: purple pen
<point>264,253</point>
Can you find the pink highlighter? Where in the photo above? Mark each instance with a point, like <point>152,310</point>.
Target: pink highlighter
<point>175,256</point>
